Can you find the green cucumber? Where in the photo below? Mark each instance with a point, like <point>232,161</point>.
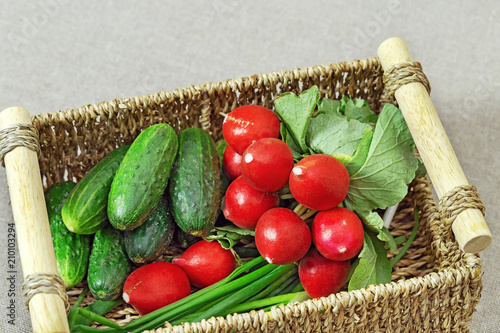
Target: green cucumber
<point>56,195</point>
<point>195,185</point>
<point>109,265</point>
<point>142,177</point>
<point>85,210</point>
<point>72,250</point>
<point>148,241</point>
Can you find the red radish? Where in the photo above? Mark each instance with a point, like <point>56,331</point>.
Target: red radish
<point>243,204</point>
<point>337,233</point>
<point>319,182</point>
<point>267,163</point>
<point>205,263</point>
<point>231,162</point>
<point>249,123</point>
<point>281,236</point>
<point>321,277</point>
<point>155,285</point>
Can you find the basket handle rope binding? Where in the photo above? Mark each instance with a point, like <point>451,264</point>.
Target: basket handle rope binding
<point>44,290</point>
<point>459,204</point>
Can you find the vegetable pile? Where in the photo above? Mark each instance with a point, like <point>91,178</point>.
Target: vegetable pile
<point>286,207</point>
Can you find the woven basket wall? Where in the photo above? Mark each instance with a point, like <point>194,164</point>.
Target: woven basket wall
<point>434,288</point>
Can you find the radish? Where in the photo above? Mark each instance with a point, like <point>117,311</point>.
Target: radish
<point>155,285</point>
<point>267,163</point>
<point>320,276</point>
<point>243,204</point>
<point>281,236</point>
<point>249,123</point>
<point>337,233</point>
<point>231,162</point>
<point>205,263</point>
<point>319,182</point>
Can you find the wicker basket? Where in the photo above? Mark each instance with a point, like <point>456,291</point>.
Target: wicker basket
<point>435,287</point>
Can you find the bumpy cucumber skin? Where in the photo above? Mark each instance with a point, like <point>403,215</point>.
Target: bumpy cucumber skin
<point>195,184</point>
<point>109,265</point>
<point>85,211</point>
<point>56,195</point>
<point>72,250</point>
<point>142,177</point>
<point>148,241</point>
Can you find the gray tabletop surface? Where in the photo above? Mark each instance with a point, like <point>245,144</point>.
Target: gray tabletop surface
<point>59,54</point>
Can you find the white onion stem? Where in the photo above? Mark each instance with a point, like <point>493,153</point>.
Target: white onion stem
<point>389,215</point>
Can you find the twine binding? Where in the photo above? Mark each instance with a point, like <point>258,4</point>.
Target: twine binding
<point>458,199</point>
<point>402,74</point>
<point>18,135</point>
<point>37,283</point>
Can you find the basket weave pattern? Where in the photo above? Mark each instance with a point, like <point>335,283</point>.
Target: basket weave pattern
<point>434,287</point>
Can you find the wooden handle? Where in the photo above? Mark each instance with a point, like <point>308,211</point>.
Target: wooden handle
<point>36,250</point>
<point>445,172</point>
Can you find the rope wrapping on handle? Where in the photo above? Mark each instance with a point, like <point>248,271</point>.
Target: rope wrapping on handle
<point>404,73</point>
<point>37,283</point>
<point>458,199</point>
<point>18,135</point>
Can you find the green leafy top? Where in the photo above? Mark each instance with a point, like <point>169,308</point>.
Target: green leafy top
<point>372,265</point>
<point>388,166</point>
<point>228,236</point>
<point>359,109</point>
<point>295,113</point>
<point>331,133</point>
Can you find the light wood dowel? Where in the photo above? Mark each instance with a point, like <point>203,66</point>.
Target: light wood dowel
<point>47,311</point>
<point>470,228</point>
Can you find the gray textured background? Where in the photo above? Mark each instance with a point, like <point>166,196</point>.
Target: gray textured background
<point>57,55</point>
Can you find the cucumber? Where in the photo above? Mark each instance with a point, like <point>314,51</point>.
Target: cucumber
<point>72,250</point>
<point>148,241</point>
<point>195,185</point>
<point>109,265</point>
<point>56,195</point>
<point>142,177</point>
<point>85,210</point>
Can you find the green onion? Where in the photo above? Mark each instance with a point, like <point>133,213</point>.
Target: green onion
<point>99,308</point>
<point>409,241</point>
<point>72,315</point>
<point>276,284</point>
<point>276,281</point>
<point>282,287</point>
<point>275,300</point>
<point>294,297</point>
<point>245,292</point>
<point>84,329</point>
<point>289,287</point>
<point>297,288</point>
<point>98,319</point>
